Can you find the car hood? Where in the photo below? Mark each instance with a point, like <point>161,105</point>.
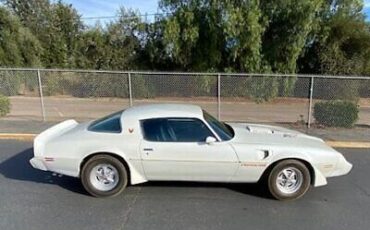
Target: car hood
<point>273,135</point>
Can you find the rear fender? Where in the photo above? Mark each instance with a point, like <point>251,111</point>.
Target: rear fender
<point>135,167</point>
<point>57,130</point>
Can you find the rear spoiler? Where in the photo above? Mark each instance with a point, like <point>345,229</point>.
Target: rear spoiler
<point>47,135</point>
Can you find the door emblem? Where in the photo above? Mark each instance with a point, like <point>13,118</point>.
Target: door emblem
<point>130,130</point>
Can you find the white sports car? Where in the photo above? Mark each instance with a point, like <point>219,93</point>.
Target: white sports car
<point>174,142</point>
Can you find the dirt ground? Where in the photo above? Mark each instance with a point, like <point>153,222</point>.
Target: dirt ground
<point>61,108</point>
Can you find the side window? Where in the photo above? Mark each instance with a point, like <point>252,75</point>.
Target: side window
<point>156,130</point>
<point>175,130</point>
<point>189,130</point>
<point>108,124</point>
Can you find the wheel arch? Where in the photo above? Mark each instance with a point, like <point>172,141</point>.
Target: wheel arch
<point>120,158</point>
<point>309,166</point>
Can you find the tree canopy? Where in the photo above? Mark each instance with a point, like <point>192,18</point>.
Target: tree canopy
<point>280,36</point>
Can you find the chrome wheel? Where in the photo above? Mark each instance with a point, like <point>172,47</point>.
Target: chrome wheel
<point>289,180</point>
<point>104,177</point>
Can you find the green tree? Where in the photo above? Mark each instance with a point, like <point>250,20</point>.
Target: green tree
<point>289,23</point>
<point>92,49</point>
<point>122,41</point>
<point>243,28</point>
<point>152,53</point>
<point>66,24</point>
<point>18,47</point>
<point>115,46</point>
<point>340,45</point>
<point>240,36</point>
<point>56,25</point>
<point>10,55</point>
<point>340,42</point>
<point>207,35</point>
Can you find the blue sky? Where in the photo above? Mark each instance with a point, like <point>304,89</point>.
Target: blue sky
<point>97,8</point>
<point>367,8</point>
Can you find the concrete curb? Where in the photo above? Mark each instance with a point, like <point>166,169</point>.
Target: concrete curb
<point>337,144</point>
<point>348,144</point>
<point>17,136</point>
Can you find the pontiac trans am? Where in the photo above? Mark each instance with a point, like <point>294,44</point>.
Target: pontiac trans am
<point>175,142</point>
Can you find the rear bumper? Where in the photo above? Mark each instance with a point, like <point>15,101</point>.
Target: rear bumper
<point>38,163</point>
<point>65,166</point>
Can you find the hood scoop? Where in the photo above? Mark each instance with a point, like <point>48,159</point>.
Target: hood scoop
<point>268,130</point>
<point>255,129</point>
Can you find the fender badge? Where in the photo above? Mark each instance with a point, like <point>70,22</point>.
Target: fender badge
<point>130,130</point>
<point>253,164</point>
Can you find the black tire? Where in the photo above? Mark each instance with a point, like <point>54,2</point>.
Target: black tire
<point>282,193</point>
<point>108,160</point>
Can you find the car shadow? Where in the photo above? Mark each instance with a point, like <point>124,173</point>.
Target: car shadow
<point>18,167</point>
<point>251,189</point>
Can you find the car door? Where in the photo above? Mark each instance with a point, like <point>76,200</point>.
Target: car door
<point>175,149</point>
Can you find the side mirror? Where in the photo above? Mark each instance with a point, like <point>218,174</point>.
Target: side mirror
<point>210,140</point>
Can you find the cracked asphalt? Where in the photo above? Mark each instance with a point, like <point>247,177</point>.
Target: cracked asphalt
<point>32,199</point>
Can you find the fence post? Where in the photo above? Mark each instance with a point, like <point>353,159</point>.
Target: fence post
<point>130,88</point>
<point>219,96</point>
<point>41,95</point>
<point>310,104</point>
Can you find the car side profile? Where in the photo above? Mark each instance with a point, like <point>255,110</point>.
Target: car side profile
<point>176,142</point>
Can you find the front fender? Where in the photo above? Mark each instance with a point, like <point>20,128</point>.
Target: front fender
<point>318,178</point>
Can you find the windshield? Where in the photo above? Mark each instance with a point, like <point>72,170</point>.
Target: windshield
<point>224,131</point>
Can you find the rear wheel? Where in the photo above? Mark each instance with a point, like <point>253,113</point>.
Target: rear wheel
<point>104,176</point>
<point>289,180</point>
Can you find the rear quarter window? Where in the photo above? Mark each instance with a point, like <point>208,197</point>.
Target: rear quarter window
<point>108,124</point>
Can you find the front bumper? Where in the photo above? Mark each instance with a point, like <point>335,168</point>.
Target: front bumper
<point>343,167</point>
<point>38,163</point>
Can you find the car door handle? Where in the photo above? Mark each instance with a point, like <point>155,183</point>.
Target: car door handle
<point>148,149</point>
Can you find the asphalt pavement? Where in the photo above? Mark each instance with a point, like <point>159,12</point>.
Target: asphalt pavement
<point>32,199</point>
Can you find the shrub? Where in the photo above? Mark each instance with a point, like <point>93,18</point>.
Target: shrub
<point>4,105</point>
<point>336,113</point>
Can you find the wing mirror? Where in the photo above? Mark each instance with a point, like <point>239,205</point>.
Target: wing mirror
<point>210,140</point>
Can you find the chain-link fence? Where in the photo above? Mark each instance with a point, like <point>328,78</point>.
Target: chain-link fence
<point>55,95</point>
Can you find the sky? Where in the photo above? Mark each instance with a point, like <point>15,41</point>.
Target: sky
<point>98,8</point>
<point>101,8</point>
<point>367,9</point>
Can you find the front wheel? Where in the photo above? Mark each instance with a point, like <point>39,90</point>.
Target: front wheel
<point>104,176</point>
<point>289,180</point>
